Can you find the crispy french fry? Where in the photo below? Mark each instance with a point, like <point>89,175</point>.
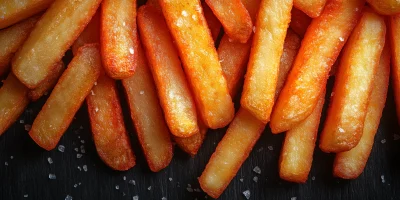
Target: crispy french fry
<point>192,144</point>
<point>298,148</point>
<point>300,22</point>
<point>353,85</point>
<point>66,98</point>
<point>395,46</point>
<point>11,39</point>
<point>12,12</point>
<point>108,128</point>
<point>350,164</point>
<point>57,28</point>
<point>151,128</point>
<point>118,37</point>
<point>312,8</point>
<point>48,83</point>
<point>385,7</point>
<point>13,101</point>
<point>212,21</point>
<point>231,152</point>
<point>263,68</point>
<point>91,34</point>
<point>200,60</point>
<point>320,47</point>
<point>234,17</point>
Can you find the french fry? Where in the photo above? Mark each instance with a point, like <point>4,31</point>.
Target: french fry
<point>300,22</point>
<point>395,46</point>
<point>350,164</point>
<point>385,7</point>
<point>118,37</point>
<point>298,148</point>
<point>234,17</point>
<point>263,68</point>
<point>58,28</point>
<point>200,60</point>
<point>48,83</point>
<point>91,34</point>
<point>320,47</point>
<point>13,101</point>
<point>353,85</point>
<point>14,11</point>
<point>312,8</point>
<point>151,129</point>
<point>66,98</point>
<point>231,152</point>
<point>11,39</point>
<point>212,21</point>
<point>193,143</point>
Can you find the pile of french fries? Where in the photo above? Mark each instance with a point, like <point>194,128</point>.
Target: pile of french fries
<point>181,62</point>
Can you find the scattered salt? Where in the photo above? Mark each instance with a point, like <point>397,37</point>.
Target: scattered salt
<point>85,168</point>
<point>52,176</point>
<point>91,91</point>
<point>83,141</point>
<point>11,157</point>
<point>149,188</point>
<point>293,198</point>
<point>313,178</point>
<point>21,121</point>
<point>247,194</point>
<point>50,160</point>
<point>75,185</point>
<point>259,150</point>
<point>255,179</point>
<point>95,83</point>
<point>383,141</point>
<point>80,169</point>
<point>79,183</point>
<point>257,170</point>
<point>141,92</point>
<point>96,109</point>
<point>131,50</point>
<point>184,13</point>
<point>197,190</point>
<point>61,148</point>
<point>78,155</point>
<point>341,130</point>
<point>132,182</point>
<point>6,163</point>
<point>83,149</point>
<point>124,178</point>
<point>270,148</point>
<point>164,198</point>
<point>135,197</point>
<point>189,189</point>
<point>383,178</point>
<point>117,187</point>
<point>68,197</point>
<point>241,180</point>
<point>341,39</point>
<point>170,179</point>
<point>25,195</point>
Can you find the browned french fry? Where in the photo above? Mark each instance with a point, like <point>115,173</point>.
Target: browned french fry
<point>91,34</point>
<point>212,21</point>
<point>234,17</point>
<point>13,101</point>
<point>192,144</point>
<point>188,27</point>
<point>58,28</point>
<point>48,83</point>
<point>385,7</point>
<point>298,148</point>
<point>11,39</point>
<point>14,11</point>
<point>353,85</point>
<point>262,71</point>
<point>300,22</point>
<point>119,37</point>
<point>320,47</point>
<point>395,46</point>
<point>350,164</point>
<point>66,98</point>
<point>312,8</point>
<point>151,128</point>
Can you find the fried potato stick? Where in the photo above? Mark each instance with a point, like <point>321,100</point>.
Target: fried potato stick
<point>395,47</point>
<point>212,21</point>
<point>385,7</point>
<point>91,33</point>
<point>48,83</point>
<point>312,8</point>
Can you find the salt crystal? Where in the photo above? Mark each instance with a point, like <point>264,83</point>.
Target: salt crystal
<point>50,160</point>
<point>164,198</point>
<point>76,149</point>
<point>61,148</point>
<point>95,83</point>
<point>189,189</point>
<point>149,188</point>
<point>247,194</point>
<point>396,136</point>
<point>75,185</point>
<point>383,178</point>
<point>170,179</point>
<point>189,185</point>
<point>79,183</point>
<point>141,92</point>
<point>85,168</point>
<point>83,149</point>
<point>80,169</point>
<point>293,198</point>
<point>341,130</point>
<point>341,39</point>
<point>270,148</point>
<point>131,50</point>
<point>27,127</point>
<point>83,141</point>
<point>241,180</point>
<point>135,197</point>
<point>194,17</point>
<point>257,170</point>
<point>25,195</point>
<point>11,157</point>
<point>124,178</point>
<point>123,194</point>
<point>68,197</point>
<point>6,163</point>
<point>259,150</point>
<point>21,121</point>
<point>184,13</point>
<point>91,91</point>
<point>78,155</point>
<point>383,141</point>
<point>313,178</point>
<point>132,182</point>
<point>255,179</point>
<point>52,176</point>
<point>96,109</point>
<point>197,190</point>
<point>117,187</point>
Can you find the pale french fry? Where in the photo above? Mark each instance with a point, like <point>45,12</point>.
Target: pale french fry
<point>119,37</point>
<point>300,22</point>
<point>395,46</point>
<point>353,85</point>
<point>58,28</point>
<point>200,60</point>
<point>350,164</point>
<point>91,34</point>
<point>298,148</point>
<point>151,129</point>
<point>320,47</point>
<point>173,89</point>
<point>312,8</point>
<point>385,7</point>
<point>212,21</point>
<point>234,17</point>
<point>13,101</point>
<point>48,83</point>
<point>109,134</point>
<point>66,98</point>
<point>231,152</point>
<point>11,39</point>
<point>263,68</point>
<point>12,12</point>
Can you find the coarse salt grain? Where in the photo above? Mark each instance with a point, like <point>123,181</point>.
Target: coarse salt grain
<point>247,194</point>
<point>75,185</point>
<point>50,160</point>
<point>11,157</point>
<point>313,178</point>
<point>25,195</point>
<point>124,178</point>
<point>21,121</point>
<point>383,141</point>
<point>241,180</point>
<point>189,189</point>
<point>383,178</point>
<point>257,170</point>
<point>83,141</point>
<point>149,188</point>
<point>164,198</point>
<point>341,130</point>
<point>61,148</point>
<point>131,50</point>
<point>96,109</point>
<point>117,187</point>
<point>170,179</point>
<point>132,182</point>
<point>78,155</point>
<point>293,198</point>
<point>184,13</point>
<point>85,168</point>
<point>135,197</point>
<point>80,169</point>
<point>255,179</point>
<point>141,92</point>
<point>341,39</point>
<point>270,148</point>
<point>52,176</point>
<point>6,163</point>
<point>68,197</point>
<point>76,149</point>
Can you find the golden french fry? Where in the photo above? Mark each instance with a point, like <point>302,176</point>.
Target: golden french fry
<point>385,7</point>
<point>320,47</point>
<point>395,46</point>
<point>300,22</point>
<point>262,71</point>
<point>212,21</point>
<point>312,8</point>
<point>66,98</point>
<point>353,85</point>
<point>12,12</point>
<point>151,128</point>
<point>350,164</point>
<point>192,144</point>
<point>200,60</point>
<point>48,83</point>
<point>13,101</point>
<point>11,40</point>
<point>91,34</point>
<point>58,28</point>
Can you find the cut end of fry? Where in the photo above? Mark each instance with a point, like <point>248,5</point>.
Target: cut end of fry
<point>385,7</point>
<point>312,8</point>
<point>48,83</point>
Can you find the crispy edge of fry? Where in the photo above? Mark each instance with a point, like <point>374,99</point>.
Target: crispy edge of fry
<point>350,164</point>
<point>311,67</point>
<point>151,129</point>
<point>395,47</point>
<point>259,87</point>
<point>298,147</point>
<point>385,7</point>
<point>118,36</point>
<point>312,8</point>
<point>48,83</point>
<point>212,21</point>
<point>91,33</point>
<point>231,152</point>
<point>19,11</point>
<point>35,59</point>
<point>67,97</point>
<point>344,123</point>
<point>300,22</point>
<point>13,101</point>
<point>234,17</point>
